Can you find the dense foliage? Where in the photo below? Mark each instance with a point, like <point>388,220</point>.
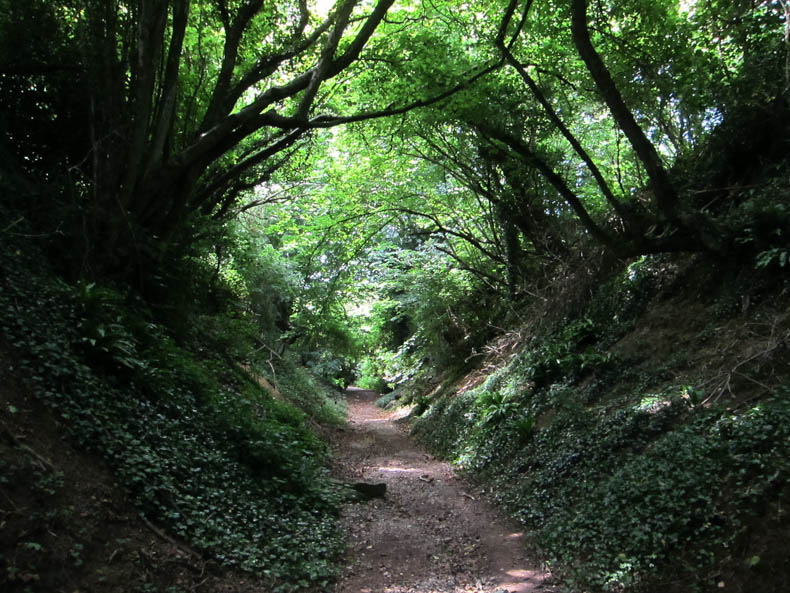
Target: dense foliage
<point>198,194</point>
<point>624,477</point>
<point>203,448</point>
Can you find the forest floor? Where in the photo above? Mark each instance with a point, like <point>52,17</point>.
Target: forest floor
<point>432,532</point>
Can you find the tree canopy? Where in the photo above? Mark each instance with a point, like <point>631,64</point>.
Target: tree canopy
<point>500,136</point>
<point>365,144</point>
<point>200,198</point>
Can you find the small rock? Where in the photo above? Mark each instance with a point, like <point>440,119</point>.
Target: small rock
<point>369,491</point>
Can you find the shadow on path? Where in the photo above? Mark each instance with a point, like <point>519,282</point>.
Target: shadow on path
<point>429,534</point>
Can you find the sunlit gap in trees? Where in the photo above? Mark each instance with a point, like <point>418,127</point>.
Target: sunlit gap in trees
<point>688,7</point>
<point>322,7</point>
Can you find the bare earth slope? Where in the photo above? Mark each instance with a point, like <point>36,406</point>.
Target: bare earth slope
<point>430,533</point>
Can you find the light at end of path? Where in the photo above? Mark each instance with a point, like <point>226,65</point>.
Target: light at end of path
<point>397,469</point>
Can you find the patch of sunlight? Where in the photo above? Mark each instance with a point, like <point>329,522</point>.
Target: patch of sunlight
<point>401,412</point>
<point>397,469</point>
<point>652,403</point>
<point>688,7</point>
<point>322,7</point>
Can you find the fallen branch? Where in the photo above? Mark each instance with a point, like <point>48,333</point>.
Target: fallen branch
<point>27,448</point>
<point>270,349</point>
<point>725,384</point>
<point>162,535</point>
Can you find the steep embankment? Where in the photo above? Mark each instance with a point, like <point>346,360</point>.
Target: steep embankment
<point>643,439</point>
<point>123,435</point>
<point>66,524</point>
<point>431,533</point>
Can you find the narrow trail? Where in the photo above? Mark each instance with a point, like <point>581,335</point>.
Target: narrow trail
<point>430,533</point>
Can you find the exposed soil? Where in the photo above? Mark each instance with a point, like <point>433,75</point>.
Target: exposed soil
<point>432,532</point>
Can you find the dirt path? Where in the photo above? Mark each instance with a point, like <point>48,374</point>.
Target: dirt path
<point>431,533</point>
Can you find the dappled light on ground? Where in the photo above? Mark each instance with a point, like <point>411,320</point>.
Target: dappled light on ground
<point>431,533</point>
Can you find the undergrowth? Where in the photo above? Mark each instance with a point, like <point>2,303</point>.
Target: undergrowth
<point>203,448</point>
<point>622,479</point>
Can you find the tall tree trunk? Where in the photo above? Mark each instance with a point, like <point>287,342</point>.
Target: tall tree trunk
<point>514,254</point>
<point>695,230</point>
<point>163,122</point>
<point>665,194</point>
<point>150,38</point>
<point>629,218</point>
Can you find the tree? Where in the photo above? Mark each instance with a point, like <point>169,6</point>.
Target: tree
<point>185,104</point>
<point>151,117</point>
<point>659,96</point>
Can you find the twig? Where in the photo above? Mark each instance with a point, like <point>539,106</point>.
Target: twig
<point>755,381</point>
<point>27,448</point>
<point>474,354</point>
<point>269,348</point>
<point>726,383</point>
<point>169,539</point>
<point>12,225</point>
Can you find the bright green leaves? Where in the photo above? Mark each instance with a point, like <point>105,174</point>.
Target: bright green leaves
<point>421,51</point>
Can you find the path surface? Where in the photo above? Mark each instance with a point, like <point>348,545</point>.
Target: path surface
<point>430,533</point>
